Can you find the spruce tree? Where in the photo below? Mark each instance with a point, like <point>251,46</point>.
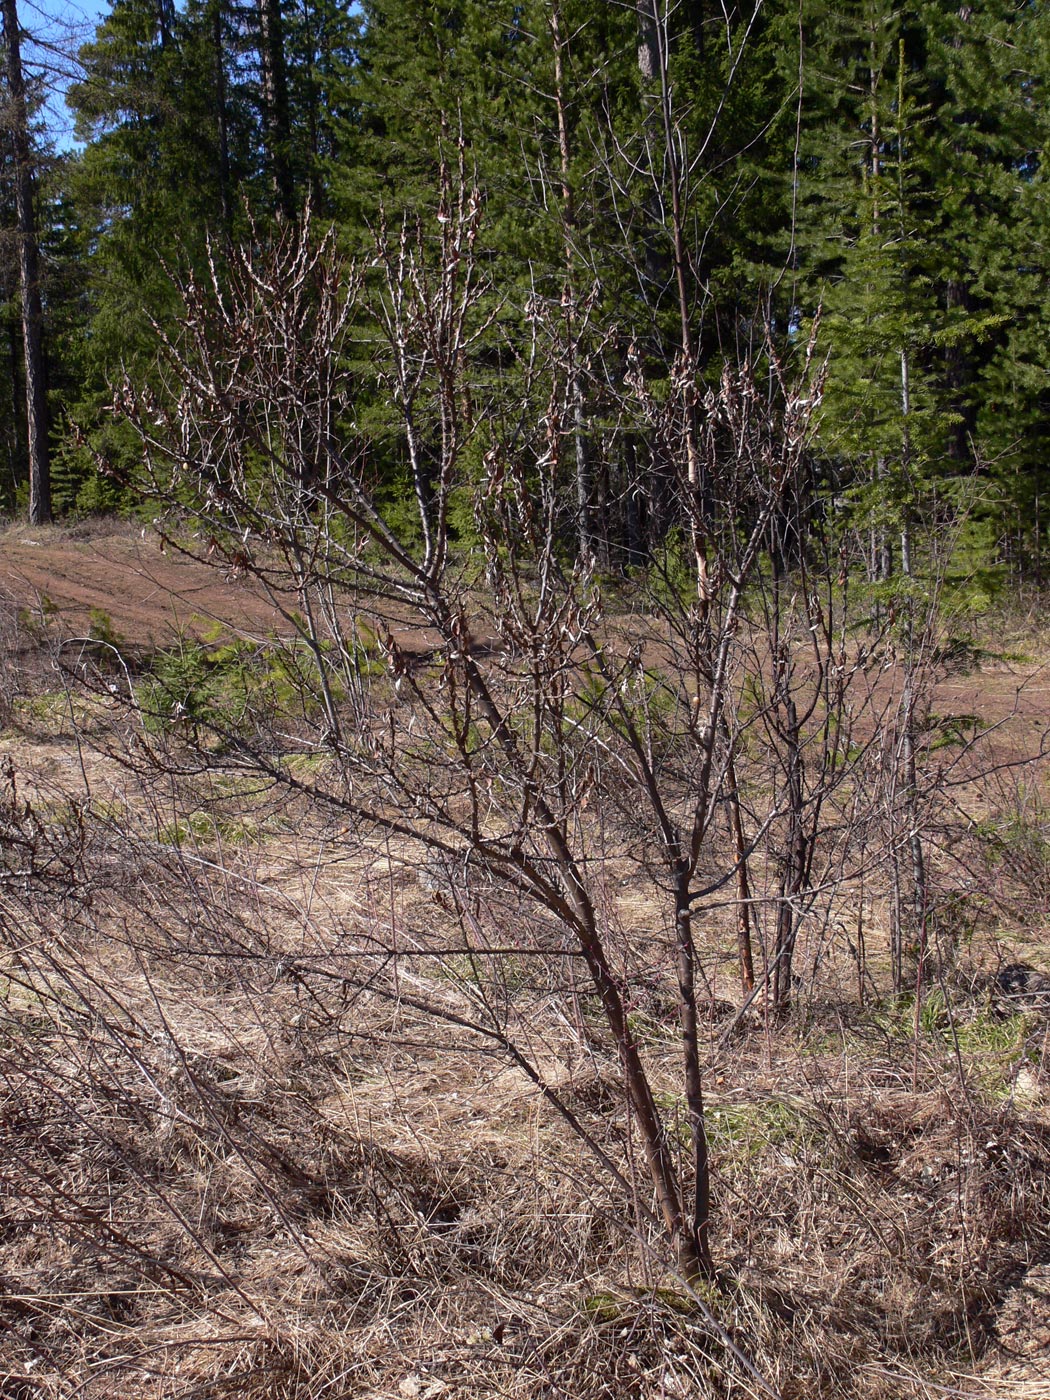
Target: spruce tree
<point>919,189</point>
<point>990,69</point>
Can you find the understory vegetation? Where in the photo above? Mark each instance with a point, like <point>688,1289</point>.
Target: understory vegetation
<point>254,1143</point>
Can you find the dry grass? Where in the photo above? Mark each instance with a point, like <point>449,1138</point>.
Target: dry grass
<point>239,1156</point>
<point>223,1180</point>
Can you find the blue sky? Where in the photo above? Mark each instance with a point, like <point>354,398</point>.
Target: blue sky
<point>56,29</point>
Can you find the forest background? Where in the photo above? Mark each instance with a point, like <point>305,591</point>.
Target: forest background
<point>879,164</point>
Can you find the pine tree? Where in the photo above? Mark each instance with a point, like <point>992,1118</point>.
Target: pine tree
<point>148,181</point>
<point>548,108</point>
<point>321,44</point>
<point>504,97</point>
<point>199,127</point>
<point>866,250</point>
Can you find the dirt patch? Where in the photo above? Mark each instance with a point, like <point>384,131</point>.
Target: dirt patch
<point>147,593</point>
<point>150,593</point>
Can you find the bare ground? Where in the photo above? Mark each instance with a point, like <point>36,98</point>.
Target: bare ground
<point>121,571</point>
<point>150,594</point>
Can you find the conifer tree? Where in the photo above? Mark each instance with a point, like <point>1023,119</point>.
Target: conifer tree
<point>32,313</point>
<point>988,66</point>
<point>150,179</point>
<point>919,229</point>
<point>199,125</point>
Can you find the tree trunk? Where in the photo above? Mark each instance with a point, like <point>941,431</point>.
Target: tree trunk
<point>275,102</point>
<point>165,21</point>
<point>695,1247</point>
<point>222,120</point>
<point>743,881</point>
<point>586,534</point>
<point>794,860</point>
<point>29,278</point>
<point>15,438</point>
<point>918,859</point>
<point>688,1238</point>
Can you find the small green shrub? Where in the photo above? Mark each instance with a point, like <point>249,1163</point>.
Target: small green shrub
<point>101,628</point>
<point>231,688</point>
<point>952,731</point>
<point>182,686</point>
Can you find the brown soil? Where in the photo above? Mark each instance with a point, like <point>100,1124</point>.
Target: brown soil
<point>147,593</point>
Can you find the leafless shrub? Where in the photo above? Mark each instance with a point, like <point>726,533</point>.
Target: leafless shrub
<point>243,1139</point>
<point>485,739</point>
<point>490,717</point>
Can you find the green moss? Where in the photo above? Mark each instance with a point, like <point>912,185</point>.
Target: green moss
<point>209,828</point>
<point>608,1306</point>
<point>605,1307</point>
<point>746,1130</point>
